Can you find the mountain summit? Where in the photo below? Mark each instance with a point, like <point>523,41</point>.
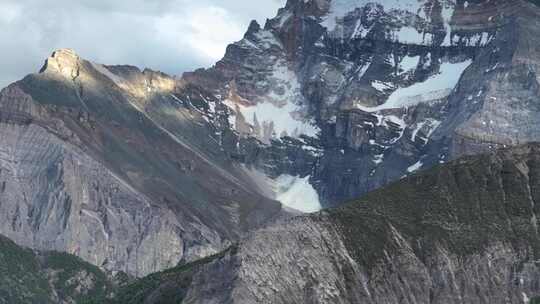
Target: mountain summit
<point>385,87</point>
<point>94,162</point>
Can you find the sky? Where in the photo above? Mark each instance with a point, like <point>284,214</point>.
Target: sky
<point>172,36</point>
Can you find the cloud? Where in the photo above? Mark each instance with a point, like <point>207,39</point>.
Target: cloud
<point>168,35</point>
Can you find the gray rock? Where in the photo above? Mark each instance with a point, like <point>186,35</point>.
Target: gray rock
<point>345,65</point>
<point>416,241</point>
<point>84,169</point>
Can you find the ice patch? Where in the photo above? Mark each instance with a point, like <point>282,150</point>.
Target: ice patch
<point>297,193</point>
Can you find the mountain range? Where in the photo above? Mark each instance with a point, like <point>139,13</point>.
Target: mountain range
<point>411,124</point>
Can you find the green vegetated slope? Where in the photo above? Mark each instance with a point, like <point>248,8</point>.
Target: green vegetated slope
<point>464,206</point>
<point>166,287</point>
<point>31,277</point>
<point>21,279</point>
<point>52,277</point>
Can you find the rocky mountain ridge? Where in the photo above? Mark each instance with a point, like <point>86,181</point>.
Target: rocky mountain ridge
<point>88,166</point>
<point>463,232</point>
<point>386,87</point>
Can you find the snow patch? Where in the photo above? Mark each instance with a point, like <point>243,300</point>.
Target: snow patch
<point>410,35</point>
<point>416,130</point>
<point>436,87</point>
<point>297,193</point>
<point>526,299</point>
<point>415,167</point>
<point>409,63</point>
<point>341,8</point>
<point>267,40</point>
<point>285,120</point>
<point>381,86</point>
<point>377,159</point>
<point>429,125</point>
<point>397,121</point>
<point>281,109</point>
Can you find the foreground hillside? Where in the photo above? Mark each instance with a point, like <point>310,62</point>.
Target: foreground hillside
<point>465,232</point>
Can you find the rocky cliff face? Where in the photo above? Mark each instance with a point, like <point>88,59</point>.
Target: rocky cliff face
<point>465,232</point>
<point>384,87</point>
<point>94,161</point>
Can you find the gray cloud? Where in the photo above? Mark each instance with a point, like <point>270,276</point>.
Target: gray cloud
<point>168,35</point>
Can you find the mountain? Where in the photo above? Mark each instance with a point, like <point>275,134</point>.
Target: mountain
<point>384,87</point>
<point>462,232</point>
<point>106,163</point>
<point>138,171</point>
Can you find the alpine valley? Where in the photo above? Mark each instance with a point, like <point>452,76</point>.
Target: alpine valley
<point>347,151</point>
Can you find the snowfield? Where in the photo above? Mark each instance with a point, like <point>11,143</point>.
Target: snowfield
<point>436,87</point>
<point>286,120</point>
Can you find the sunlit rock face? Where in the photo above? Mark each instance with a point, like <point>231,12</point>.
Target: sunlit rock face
<point>370,91</point>
<point>102,162</point>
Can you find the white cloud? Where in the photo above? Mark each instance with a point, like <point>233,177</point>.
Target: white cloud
<point>168,35</point>
<point>206,29</point>
<point>9,12</point>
